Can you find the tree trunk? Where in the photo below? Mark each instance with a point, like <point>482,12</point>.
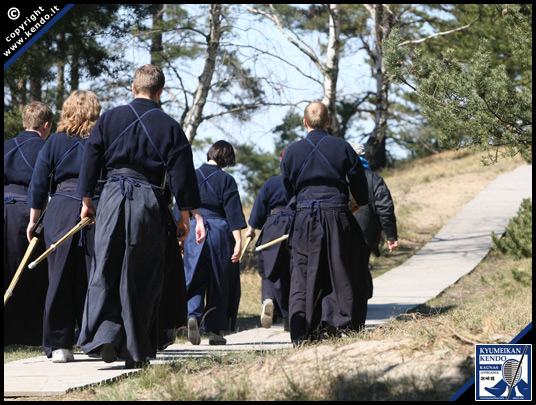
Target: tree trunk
<point>156,40</point>
<point>60,80</point>
<point>35,89</point>
<point>75,68</point>
<point>375,151</point>
<point>60,84</point>
<point>332,68</point>
<point>21,93</point>
<point>195,115</point>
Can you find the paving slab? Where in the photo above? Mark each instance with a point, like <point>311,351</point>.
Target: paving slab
<point>455,251</point>
<point>257,339</point>
<point>39,377</point>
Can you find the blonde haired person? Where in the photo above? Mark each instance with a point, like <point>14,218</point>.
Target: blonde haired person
<point>23,313</point>
<point>56,176</point>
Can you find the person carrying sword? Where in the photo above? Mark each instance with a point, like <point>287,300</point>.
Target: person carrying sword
<point>139,146</point>
<point>272,214</point>
<point>23,312</point>
<point>56,176</point>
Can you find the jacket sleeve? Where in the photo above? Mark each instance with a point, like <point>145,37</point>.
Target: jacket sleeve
<point>385,208</point>
<point>232,205</point>
<point>91,161</point>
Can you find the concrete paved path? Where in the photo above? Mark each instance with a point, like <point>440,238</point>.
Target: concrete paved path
<point>455,251</point>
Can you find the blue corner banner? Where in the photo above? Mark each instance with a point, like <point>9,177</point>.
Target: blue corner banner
<point>502,371</point>
<point>24,25</point>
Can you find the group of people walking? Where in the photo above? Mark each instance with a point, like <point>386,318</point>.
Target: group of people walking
<point>121,282</point>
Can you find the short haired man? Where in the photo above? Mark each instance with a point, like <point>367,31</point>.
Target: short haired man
<point>23,314</point>
<point>329,287</point>
<point>138,146</point>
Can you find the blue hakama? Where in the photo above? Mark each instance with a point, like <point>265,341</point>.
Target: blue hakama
<point>208,266</point>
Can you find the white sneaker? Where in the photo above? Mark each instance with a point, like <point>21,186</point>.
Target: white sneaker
<point>267,314</point>
<point>62,356</point>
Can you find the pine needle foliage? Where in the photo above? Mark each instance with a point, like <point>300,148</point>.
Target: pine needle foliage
<point>517,239</point>
<point>475,103</point>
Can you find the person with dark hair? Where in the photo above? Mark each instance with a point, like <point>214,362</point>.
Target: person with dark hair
<point>272,214</point>
<point>212,268</point>
<point>329,289</point>
<point>378,215</point>
<point>56,176</point>
<point>23,313</point>
<point>137,146</point>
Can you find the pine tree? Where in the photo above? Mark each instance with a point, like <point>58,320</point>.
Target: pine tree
<point>479,102</point>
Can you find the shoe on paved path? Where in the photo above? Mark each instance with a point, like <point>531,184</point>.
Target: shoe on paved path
<point>130,364</point>
<point>267,314</point>
<point>108,353</point>
<point>62,356</point>
<point>215,339</point>
<point>193,331</point>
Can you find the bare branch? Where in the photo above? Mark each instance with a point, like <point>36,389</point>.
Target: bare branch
<point>302,46</point>
<point>437,34</point>
<point>273,55</point>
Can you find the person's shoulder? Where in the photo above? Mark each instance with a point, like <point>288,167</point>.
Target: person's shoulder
<point>229,178</point>
<point>9,141</point>
<point>294,146</point>
<point>274,180</point>
<point>57,136</point>
<point>26,135</point>
<point>119,109</point>
<point>164,120</point>
<point>341,143</point>
<point>372,174</point>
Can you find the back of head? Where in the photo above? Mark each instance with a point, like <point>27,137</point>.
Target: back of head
<point>316,115</point>
<point>148,80</point>
<point>222,152</point>
<point>35,115</point>
<point>359,148</point>
<point>80,112</point>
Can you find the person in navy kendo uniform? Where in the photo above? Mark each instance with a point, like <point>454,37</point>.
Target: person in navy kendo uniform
<point>212,268</point>
<point>23,313</point>
<point>329,288</point>
<point>56,176</point>
<point>272,214</point>
<point>139,146</point>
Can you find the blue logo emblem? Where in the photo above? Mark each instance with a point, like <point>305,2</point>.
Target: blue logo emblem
<point>503,372</point>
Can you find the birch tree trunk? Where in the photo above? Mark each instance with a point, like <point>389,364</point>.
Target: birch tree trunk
<point>376,143</point>
<point>331,72</point>
<point>329,69</point>
<point>195,114</point>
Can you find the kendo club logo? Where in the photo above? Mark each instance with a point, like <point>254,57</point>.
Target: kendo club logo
<point>503,372</point>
